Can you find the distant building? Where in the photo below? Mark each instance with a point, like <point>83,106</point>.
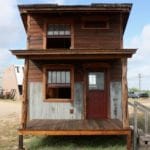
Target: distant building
<point>13,79</point>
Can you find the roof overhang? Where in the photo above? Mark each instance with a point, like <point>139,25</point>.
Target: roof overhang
<point>75,54</point>
<point>123,8</point>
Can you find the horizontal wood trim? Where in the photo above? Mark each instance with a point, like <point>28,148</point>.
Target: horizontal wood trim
<point>58,100</point>
<point>74,53</point>
<point>69,133</point>
<point>81,8</point>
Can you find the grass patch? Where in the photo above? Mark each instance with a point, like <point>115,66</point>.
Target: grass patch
<point>76,143</point>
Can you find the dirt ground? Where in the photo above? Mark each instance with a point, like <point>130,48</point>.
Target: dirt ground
<point>10,112</point>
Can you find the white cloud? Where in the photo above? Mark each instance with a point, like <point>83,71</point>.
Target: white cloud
<point>140,63</point>
<point>6,59</point>
<point>11,32</point>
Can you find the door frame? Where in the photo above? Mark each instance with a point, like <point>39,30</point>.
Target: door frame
<point>95,66</point>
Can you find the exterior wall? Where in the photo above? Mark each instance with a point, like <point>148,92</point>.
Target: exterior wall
<point>47,110</point>
<point>115,97</point>
<point>35,32</point>
<point>97,38</point>
<point>38,109</point>
<point>115,90</point>
<point>9,81</point>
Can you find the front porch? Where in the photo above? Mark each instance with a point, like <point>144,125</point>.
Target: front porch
<point>75,127</point>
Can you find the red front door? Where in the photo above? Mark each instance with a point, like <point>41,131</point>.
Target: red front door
<point>96,95</point>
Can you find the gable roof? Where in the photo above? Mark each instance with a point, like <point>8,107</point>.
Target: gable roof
<point>123,8</point>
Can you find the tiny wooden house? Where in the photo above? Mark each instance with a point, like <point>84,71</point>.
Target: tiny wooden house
<point>75,79</point>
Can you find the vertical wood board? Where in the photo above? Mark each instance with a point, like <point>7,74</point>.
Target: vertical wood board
<point>38,109</point>
<point>115,96</point>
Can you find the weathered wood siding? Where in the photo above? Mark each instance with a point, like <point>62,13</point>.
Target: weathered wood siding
<point>110,38</point>
<point>35,31</point>
<point>115,96</point>
<point>98,38</point>
<point>35,71</point>
<point>115,70</point>
<point>38,109</point>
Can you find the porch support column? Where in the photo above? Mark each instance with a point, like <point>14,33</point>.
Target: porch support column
<point>20,144</point>
<point>125,115</point>
<point>25,95</point>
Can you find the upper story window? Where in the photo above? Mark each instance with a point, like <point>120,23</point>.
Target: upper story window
<point>96,24</point>
<point>59,36</point>
<point>59,30</point>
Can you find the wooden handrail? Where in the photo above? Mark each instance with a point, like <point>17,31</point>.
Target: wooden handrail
<point>146,111</point>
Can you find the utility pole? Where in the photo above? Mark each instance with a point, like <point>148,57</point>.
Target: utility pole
<point>139,78</point>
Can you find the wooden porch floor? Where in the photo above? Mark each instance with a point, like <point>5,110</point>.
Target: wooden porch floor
<point>73,125</point>
<point>77,128</point>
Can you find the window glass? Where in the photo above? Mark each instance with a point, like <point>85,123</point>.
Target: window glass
<point>54,77</point>
<point>58,29</point>
<point>49,77</point>
<point>59,84</point>
<point>96,80</point>
<point>58,77</point>
<point>67,77</point>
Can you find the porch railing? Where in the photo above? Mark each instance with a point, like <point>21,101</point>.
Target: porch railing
<point>146,110</point>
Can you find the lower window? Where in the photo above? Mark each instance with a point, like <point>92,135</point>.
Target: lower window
<point>58,83</point>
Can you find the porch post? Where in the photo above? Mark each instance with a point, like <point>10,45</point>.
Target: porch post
<point>24,103</point>
<point>20,144</point>
<point>125,115</point>
<point>25,95</point>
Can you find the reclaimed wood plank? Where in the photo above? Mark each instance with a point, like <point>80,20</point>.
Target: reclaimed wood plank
<point>125,115</point>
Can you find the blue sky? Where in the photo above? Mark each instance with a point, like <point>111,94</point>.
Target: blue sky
<point>137,35</point>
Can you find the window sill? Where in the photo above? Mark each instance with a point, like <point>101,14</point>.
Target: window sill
<point>58,100</point>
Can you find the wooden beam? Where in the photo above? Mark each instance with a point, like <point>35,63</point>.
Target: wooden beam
<point>20,144</point>
<point>44,34</point>
<point>125,115</point>
<point>28,31</point>
<point>129,145</point>
<point>75,132</point>
<point>25,95</point>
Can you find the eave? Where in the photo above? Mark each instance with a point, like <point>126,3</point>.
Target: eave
<point>75,54</point>
<point>123,8</point>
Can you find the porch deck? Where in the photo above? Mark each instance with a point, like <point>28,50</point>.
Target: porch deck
<point>75,127</point>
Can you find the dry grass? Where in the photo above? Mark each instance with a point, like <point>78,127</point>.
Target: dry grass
<point>9,119</point>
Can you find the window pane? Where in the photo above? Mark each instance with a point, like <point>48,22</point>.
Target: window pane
<point>54,77</point>
<point>58,77</point>
<point>67,32</point>
<point>67,77</point>
<point>92,79</point>
<point>96,80</point>
<point>58,29</point>
<point>49,77</point>
<point>50,30</point>
<point>100,80</point>
<point>63,77</point>
<point>61,32</point>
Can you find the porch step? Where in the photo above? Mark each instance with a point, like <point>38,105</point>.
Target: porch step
<point>144,140</point>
